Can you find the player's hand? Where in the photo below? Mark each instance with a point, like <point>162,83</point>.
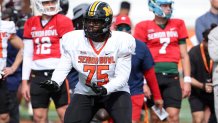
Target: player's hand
<point>159,104</point>
<point>99,90</point>
<point>50,85</point>
<point>8,71</point>
<point>186,91</point>
<point>208,87</point>
<point>25,90</point>
<point>2,75</point>
<point>147,91</point>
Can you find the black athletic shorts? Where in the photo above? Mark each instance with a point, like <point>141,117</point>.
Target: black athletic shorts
<point>4,97</point>
<point>199,100</point>
<point>170,89</point>
<point>40,97</point>
<point>82,108</point>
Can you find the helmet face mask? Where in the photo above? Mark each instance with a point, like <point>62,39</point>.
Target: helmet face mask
<point>156,7</point>
<point>97,21</point>
<point>94,25</point>
<point>48,7</point>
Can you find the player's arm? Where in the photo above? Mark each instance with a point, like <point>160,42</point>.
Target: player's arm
<point>186,68</point>
<point>199,28</point>
<point>152,83</point>
<point>63,68</point>
<point>17,43</point>
<point>26,68</point>
<point>60,73</point>
<point>123,67</point>
<point>149,75</point>
<point>206,86</point>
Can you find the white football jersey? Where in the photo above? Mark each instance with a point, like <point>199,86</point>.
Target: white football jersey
<point>109,65</point>
<point>7,28</point>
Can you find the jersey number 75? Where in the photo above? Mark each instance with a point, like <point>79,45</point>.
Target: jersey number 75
<point>101,78</point>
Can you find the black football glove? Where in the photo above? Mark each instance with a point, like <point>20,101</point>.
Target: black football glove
<point>99,90</point>
<point>50,85</point>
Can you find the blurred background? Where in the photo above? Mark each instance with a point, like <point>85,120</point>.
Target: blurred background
<point>188,10</point>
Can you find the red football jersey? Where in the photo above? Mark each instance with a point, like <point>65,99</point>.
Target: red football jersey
<point>46,39</point>
<point>163,43</point>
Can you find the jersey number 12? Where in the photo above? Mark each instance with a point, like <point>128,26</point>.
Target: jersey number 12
<point>43,45</point>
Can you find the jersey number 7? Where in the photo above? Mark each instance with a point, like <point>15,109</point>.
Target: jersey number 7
<point>101,78</point>
<point>165,42</point>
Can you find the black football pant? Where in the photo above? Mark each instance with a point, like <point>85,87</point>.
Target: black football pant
<point>82,108</point>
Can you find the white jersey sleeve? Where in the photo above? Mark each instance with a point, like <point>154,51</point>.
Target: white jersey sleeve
<point>8,26</point>
<point>213,44</point>
<point>27,58</point>
<point>64,66</point>
<point>123,65</point>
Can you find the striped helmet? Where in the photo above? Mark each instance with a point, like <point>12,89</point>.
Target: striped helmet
<point>98,11</point>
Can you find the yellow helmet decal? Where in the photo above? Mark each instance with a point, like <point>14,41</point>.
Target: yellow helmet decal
<point>107,10</point>
<point>92,8</point>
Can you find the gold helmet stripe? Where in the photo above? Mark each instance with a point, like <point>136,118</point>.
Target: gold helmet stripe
<point>93,7</point>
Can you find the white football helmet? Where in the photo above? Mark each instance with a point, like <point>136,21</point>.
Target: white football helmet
<point>50,9</point>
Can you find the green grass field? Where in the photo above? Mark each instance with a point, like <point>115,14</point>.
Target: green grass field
<point>185,114</point>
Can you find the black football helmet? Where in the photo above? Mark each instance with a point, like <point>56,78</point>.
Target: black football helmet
<point>98,12</point>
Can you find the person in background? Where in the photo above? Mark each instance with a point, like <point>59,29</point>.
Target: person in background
<point>13,83</point>
<point>166,39</point>
<point>142,68</point>
<point>78,12</point>
<point>64,4</point>
<point>124,8</point>
<point>213,52</point>
<point>42,51</point>
<point>8,34</point>
<point>13,80</point>
<point>204,21</point>
<point>202,88</point>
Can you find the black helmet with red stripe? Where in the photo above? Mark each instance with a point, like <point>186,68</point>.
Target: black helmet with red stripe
<point>97,20</point>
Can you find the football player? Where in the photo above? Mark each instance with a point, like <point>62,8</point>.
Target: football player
<point>7,33</point>
<point>103,59</point>
<point>166,39</point>
<point>78,12</point>
<point>42,52</point>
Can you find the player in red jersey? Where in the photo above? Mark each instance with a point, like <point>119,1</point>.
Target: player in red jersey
<point>42,51</point>
<point>166,39</point>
